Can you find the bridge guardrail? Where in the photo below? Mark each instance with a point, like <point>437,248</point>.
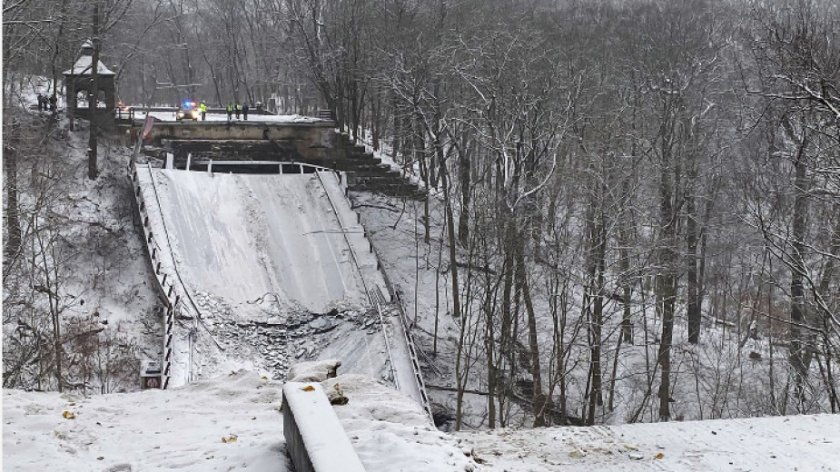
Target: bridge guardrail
<point>164,284</point>
<point>165,281</point>
<point>405,326</point>
<point>409,340</point>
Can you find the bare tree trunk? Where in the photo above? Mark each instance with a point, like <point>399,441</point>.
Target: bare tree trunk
<point>490,347</point>
<point>93,101</point>
<point>797,291</point>
<point>464,154</point>
<point>626,285</point>
<point>57,48</point>
<point>666,279</point>
<point>596,281</point>
<point>450,229</point>
<point>507,340</point>
<point>539,397</point>
<point>10,154</point>
<point>693,295</point>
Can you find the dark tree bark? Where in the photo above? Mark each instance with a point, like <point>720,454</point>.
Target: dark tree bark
<point>666,279</point>
<point>798,356</point>
<point>693,282</point>
<point>596,284</point>
<point>93,100</point>
<point>11,142</point>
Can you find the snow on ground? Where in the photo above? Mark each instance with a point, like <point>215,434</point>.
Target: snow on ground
<point>233,423</point>
<point>170,116</point>
<point>149,430</point>
<point>803,443</point>
<point>390,432</point>
<point>228,423</point>
<point>396,230</point>
<point>23,89</point>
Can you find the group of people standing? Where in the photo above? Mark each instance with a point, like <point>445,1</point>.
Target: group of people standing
<point>237,109</point>
<point>46,104</point>
<point>232,109</point>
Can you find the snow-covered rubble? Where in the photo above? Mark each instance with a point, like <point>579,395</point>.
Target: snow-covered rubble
<point>271,346</point>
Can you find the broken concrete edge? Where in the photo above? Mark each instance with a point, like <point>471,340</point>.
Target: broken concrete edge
<point>315,439</point>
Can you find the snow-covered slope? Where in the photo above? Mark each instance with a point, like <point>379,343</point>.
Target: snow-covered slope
<point>229,423</point>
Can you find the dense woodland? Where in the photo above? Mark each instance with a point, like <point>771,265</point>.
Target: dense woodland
<point>647,180</point>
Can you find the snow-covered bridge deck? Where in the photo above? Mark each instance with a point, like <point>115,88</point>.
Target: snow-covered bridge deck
<point>241,237</point>
<point>261,248</point>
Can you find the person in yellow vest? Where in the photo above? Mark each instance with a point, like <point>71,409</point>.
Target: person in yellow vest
<point>203,108</point>
<point>238,110</point>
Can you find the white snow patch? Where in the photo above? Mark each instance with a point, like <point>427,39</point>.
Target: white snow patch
<point>82,66</point>
<point>150,430</point>
<point>313,371</point>
<point>805,443</point>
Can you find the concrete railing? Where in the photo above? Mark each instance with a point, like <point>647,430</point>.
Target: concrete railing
<point>315,440</point>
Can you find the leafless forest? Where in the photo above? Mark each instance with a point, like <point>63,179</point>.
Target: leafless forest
<point>635,205</point>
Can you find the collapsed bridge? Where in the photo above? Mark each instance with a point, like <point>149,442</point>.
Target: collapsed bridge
<point>283,255</point>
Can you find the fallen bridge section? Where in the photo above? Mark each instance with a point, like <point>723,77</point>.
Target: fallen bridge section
<point>240,250</point>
